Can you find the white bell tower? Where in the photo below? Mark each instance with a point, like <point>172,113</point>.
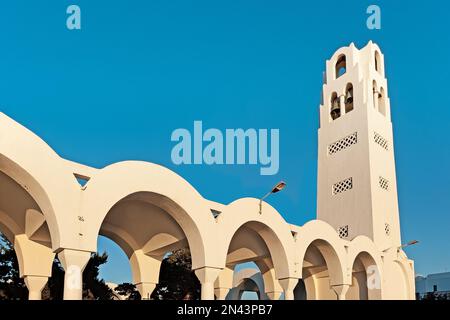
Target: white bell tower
<point>356,183</point>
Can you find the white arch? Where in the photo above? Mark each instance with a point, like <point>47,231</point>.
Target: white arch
<point>330,246</point>
<point>8,226</point>
<point>26,159</point>
<point>160,186</point>
<point>362,244</point>
<point>272,228</point>
<point>364,249</point>
<point>239,281</point>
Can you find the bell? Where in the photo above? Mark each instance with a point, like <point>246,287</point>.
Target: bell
<point>335,109</point>
<point>349,97</point>
<point>335,104</point>
<point>377,93</point>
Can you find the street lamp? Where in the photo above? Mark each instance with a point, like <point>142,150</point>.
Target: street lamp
<point>278,187</point>
<point>410,243</point>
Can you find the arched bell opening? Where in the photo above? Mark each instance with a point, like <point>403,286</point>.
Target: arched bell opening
<point>349,98</point>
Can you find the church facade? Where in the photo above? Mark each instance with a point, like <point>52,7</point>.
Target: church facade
<point>53,206</point>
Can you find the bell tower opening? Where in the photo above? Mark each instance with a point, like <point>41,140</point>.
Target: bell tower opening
<point>341,66</point>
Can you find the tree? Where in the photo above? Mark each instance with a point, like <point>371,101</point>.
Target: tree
<point>94,287</point>
<point>129,291</point>
<point>177,281</point>
<point>436,296</point>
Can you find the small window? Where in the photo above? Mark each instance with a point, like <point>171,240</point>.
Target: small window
<point>343,143</point>
<point>341,66</point>
<point>387,229</point>
<point>82,180</point>
<point>384,183</point>
<point>343,232</point>
<point>382,142</point>
<point>294,235</point>
<point>435,288</point>
<point>215,213</point>
<point>342,186</point>
<point>377,61</point>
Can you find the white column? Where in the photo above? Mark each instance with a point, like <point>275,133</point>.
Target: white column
<point>145,289</point>
<point>35,264</point>
<point>341,291</point>
<point>288,285</point>
<point>221,293</point>
<point>35,284</point>
<point>272,286</point>
<point>145,272</point>
<point>73,262</point>
<point>274,295</point>
<point>224,283</point>
<point>207,276</point>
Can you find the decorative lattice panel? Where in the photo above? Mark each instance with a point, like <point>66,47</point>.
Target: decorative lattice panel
<point>343,143</point>
<point>342,186</point>
<point>384,183</point>
<point>387,229</point>
<point>343,232</point>
<point>380,141</point>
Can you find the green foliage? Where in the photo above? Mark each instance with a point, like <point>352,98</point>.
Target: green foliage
<point>436,296</point>
<point>129,291</point>
<point>177,281</point>
<point>94,287</point>
<point>54,289</point>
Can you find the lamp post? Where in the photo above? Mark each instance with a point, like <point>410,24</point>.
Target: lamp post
<point>278,187</point>
<point>410,243</point>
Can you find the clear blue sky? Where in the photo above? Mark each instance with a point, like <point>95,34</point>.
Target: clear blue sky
<point>139,69</point>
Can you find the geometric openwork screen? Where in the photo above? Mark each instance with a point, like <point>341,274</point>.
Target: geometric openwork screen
<point>387,229</point>
<point>342,186</point>
<point>380,141</point>
<point>343,143</point>
<point>343,231</point>
<point>384,183</point>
